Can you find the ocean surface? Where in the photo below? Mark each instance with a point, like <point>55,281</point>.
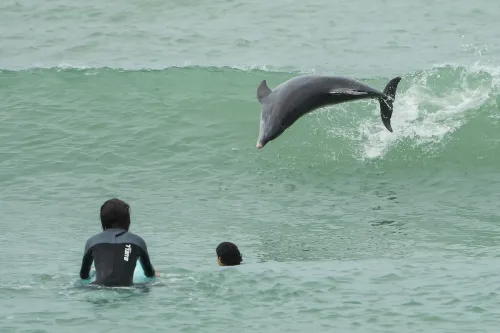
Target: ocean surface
<point>343,226</point>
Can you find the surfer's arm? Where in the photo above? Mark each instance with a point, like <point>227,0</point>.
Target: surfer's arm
<point>148,268</point>
<point>87,260</point>
<point>86,264</point>
<point>144,260</point>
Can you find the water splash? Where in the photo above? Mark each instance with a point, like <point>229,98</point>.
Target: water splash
<point>437,102</point>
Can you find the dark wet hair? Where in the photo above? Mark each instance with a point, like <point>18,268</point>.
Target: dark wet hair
<point>229,254</point>
<point>115,213</point>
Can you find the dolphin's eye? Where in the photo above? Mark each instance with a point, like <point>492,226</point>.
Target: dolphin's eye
<point>282,124</point>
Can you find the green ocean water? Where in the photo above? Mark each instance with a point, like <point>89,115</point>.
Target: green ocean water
<point>343,226</point>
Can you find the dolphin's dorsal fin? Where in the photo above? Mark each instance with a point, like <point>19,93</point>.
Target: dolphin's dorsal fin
<point>263,91</point>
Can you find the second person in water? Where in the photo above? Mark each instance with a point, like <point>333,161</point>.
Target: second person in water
<point>228,254</point>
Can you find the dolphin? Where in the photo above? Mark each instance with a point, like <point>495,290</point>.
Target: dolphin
<point>289,101</point>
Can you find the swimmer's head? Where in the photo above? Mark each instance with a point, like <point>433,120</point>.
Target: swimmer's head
<point>228,254</point>
<point>115,213</point>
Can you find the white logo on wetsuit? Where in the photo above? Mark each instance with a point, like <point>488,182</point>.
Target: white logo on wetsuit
<point>128,250</point>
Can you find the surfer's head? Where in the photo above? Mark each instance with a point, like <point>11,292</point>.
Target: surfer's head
<point>228,254</point>
<point>115,213</point>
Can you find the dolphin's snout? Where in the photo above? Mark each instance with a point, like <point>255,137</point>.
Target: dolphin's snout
<point>259,145</point>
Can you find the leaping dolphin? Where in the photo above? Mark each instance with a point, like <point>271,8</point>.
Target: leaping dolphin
<point>298,96</point>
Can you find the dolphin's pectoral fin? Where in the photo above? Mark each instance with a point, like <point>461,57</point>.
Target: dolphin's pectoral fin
<point>263,91</point>
<point>347,91</point>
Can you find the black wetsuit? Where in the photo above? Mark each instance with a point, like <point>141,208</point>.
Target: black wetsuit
<point>115,253</point>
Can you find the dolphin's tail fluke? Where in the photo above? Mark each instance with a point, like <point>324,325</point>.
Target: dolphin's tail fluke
<point>387,102</point>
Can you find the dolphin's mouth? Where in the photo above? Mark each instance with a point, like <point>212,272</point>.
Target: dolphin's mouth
<point>259,145</point>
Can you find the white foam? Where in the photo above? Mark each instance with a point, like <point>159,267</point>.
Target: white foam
<point>423,116</point>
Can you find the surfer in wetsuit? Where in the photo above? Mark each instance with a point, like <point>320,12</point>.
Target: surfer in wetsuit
<point>115,251</point>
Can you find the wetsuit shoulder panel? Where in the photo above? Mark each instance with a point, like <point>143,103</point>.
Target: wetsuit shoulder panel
<point>143,254</point>
<point>132,238</point>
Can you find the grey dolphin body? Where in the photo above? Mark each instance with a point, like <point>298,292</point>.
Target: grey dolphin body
<point>298,96</point>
